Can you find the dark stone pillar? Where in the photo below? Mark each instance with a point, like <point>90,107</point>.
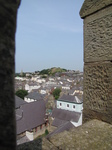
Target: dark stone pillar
<point>8,12</point>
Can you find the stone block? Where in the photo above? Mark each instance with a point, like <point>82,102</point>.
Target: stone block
<point>98,36</point>
<point>98,91</point>
<point>91,6</point>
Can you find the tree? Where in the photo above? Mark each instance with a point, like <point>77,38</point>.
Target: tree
<point>56,93</point>
<point>21,93</point>
<point>46,132</point>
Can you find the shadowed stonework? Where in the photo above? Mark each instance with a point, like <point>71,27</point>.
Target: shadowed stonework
<point>8,11</point>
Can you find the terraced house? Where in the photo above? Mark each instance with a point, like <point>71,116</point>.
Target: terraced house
<point>67,114</point>
<point>31,120</point>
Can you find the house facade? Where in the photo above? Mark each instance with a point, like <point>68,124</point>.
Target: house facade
<point>68,109</point>
<point>71,103</point>
<point>31,86</point>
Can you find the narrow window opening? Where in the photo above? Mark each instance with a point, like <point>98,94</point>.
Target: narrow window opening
<point>67,105</point>
<point>60,104</point>
<point>73,106</point>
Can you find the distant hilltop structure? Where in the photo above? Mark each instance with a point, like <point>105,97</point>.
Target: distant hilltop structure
<point>21,73</point>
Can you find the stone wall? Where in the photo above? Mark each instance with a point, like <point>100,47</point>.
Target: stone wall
<point>93,135</point>
<point>97,60</point>
<point>8,11</point>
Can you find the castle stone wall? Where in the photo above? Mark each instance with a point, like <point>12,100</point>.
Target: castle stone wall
<point>97,60</point>
<point>8,11</point>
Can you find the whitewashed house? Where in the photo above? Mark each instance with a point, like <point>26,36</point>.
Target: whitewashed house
<point>51,79</point>
<point>42,91</point>
<point>72,104</point>
<point>67,114</point>
<point>31,86</point>
<point>34,96</point>
<point>68,109</point>
<point>66,87</point>
<point>41,80</point>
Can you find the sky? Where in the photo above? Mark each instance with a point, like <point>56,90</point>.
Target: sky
<point>49,34</point>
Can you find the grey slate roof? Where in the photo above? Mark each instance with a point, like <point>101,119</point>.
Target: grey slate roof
<point>19,114</point>
<point>65,115</point>
<point>69,98</point>
<point>19,102</point>
<point>33,115</point>
<point>58,122</point>
<point>35,95</point>
<point>66,126</point>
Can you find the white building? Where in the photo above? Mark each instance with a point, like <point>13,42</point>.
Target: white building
<point>32,86</point>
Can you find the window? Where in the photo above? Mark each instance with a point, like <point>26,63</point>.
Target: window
<point>40,127</point>
<point>73,106</point>
<point>67,105</point>
<point>60,104</point>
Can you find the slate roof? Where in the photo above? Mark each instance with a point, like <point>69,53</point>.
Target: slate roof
<point>66,126</point>
<point>35,95</point>
<point>58,122</point>
<point>19,114</point>
<point>19,102</point>
<point>33,115</point>
<point>71,91</point>
<point>32,84</point>
<point>70,98</point>
<point>65,115</point>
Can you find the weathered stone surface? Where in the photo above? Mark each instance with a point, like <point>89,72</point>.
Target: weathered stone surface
<point>98,91</point>
<point>98,36</point>
<point>91,6</point>
<point>8,11</point>
<point>39,144</point>
<point>97,97</point>
<point>93,135</point>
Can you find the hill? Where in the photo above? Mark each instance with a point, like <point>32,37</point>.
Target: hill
<point>52,71</point>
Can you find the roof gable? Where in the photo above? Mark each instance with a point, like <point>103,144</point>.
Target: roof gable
<point>70,99</point>
<point>35,95</point>
<point>19,102</point>
<point>64,127</point>
<point>66,115</point>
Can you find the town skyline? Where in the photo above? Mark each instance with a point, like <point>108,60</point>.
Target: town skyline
<point>49,34</point>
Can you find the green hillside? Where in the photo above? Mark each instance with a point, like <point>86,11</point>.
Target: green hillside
<point>52,71</point>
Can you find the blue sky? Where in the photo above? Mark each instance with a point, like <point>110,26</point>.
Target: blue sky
<point>49,34</point>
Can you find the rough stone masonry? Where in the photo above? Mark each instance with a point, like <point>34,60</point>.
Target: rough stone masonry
<point>8,11</point>
<point>97,17</point>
